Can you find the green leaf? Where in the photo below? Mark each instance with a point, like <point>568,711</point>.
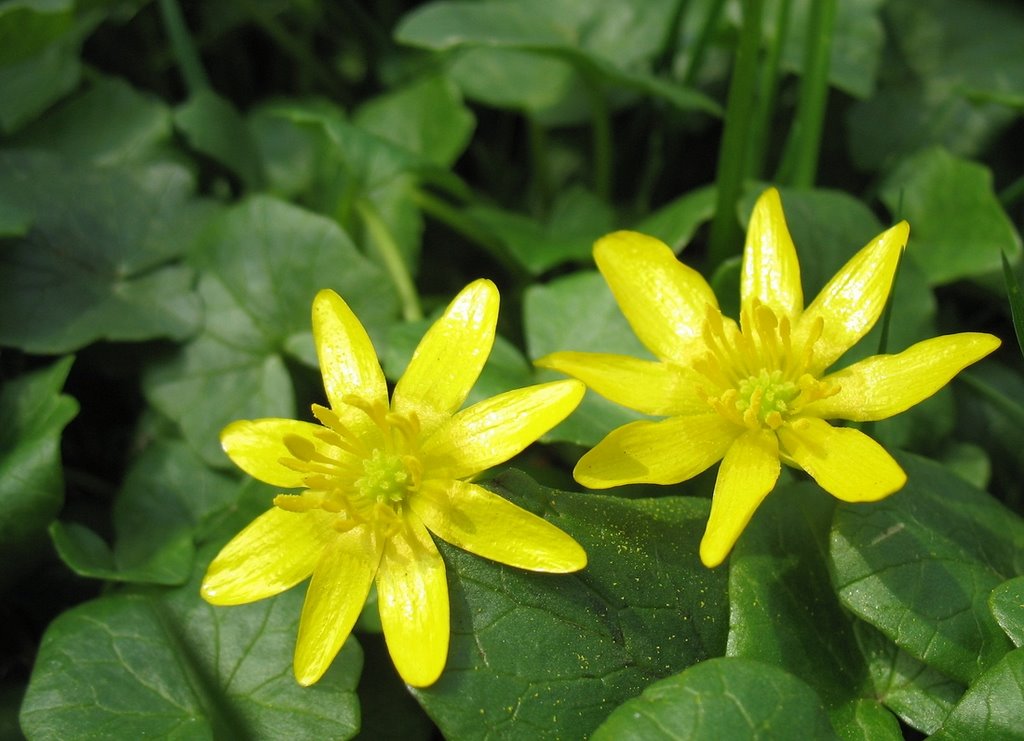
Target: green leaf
<point>950,203</point>
<point>109,123</point>
<point>992,707</point>
<point>28,26</point>
<point>952,68</point>
<point>427,116</point>
<point>971,51</point>
<point>34,413</point>
<point>33,84</point>
<point>921,696</point>
<point>1007,605</point>
<point>548,655</point>
<point>578,312</point>
<point>167,494</point>
<point>581,34</point>
<point>520,80</point>
<point>782,608</point>
<point>386,709</point>
<point>856,48</point>
<point>99,260</point>
<point>264,261</point>
<point>868,720</point>
<point>724,698</point>
<point>211,125</point>
<point>15,220</point>
<point>165,664</point>
<point>920,565</point>
<point>357,169</point>
<point>676,222</point>
<point>577,219</point>
<point>1016,297</point>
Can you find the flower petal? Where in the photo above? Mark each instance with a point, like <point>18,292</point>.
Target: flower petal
<point>273,553</point>
<point>748,473</point>
<point>664,452</point>
<point>771,272</point>
<point>494,430</point>
<point>845,462</point>
<point>336,594</point>
<point>488,525</point>
<point>257,447</point>
<point>884,385</point>
<point>348,361</point>
<point>450,356</point>
<point>412,594</point>
<point>850,304</point>
<point>664,301</point>
<point>658,388</point>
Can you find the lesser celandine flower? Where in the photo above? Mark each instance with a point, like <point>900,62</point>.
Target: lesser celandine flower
<point>758,392</point>
<point>378,475</point>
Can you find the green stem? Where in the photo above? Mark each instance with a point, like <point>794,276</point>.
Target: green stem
<point>800,165</point>
<point>766,97</point>
<point>700,46</point>
<point>602,125</point>
<point>184,48</point>
<point>669,42</point>
<point>724,238</point>
<point>391,256</point>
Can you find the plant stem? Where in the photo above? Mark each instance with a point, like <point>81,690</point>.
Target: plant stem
<point>391,255</point>
<point>766,97</point>
<point>602,133</point>
<point>800,165</point>
<point>724,238</point>
<point>184,48</point>
<point>700,46</point>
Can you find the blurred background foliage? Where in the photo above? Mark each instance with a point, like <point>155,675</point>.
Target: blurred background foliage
<point>177,180</point>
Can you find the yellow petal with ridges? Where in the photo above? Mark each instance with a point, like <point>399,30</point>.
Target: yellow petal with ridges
<point>664,301</point>
<point>492,431</point>
<point>845,462</point>
<point>748,473</point>
<point>658,388</point>
<point>273,553</point>
<point>488,525</point>
<point>884,385</point>
<point>850,304</point>
<point>348,362</point>
<point>341,581</point>
<point>771,272</point>
<point>412,594</point>
<point>450,356</point>
<point>258,445</point>
<point>665,452</point>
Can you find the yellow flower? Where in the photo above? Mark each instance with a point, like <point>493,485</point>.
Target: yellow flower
<point>377,476</point>
<point>756,393</point>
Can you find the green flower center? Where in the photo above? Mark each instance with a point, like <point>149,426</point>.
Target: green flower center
<point>364,478</point>
<point>758,376</point>
<point>385,478</point>
<point>766,396</point>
